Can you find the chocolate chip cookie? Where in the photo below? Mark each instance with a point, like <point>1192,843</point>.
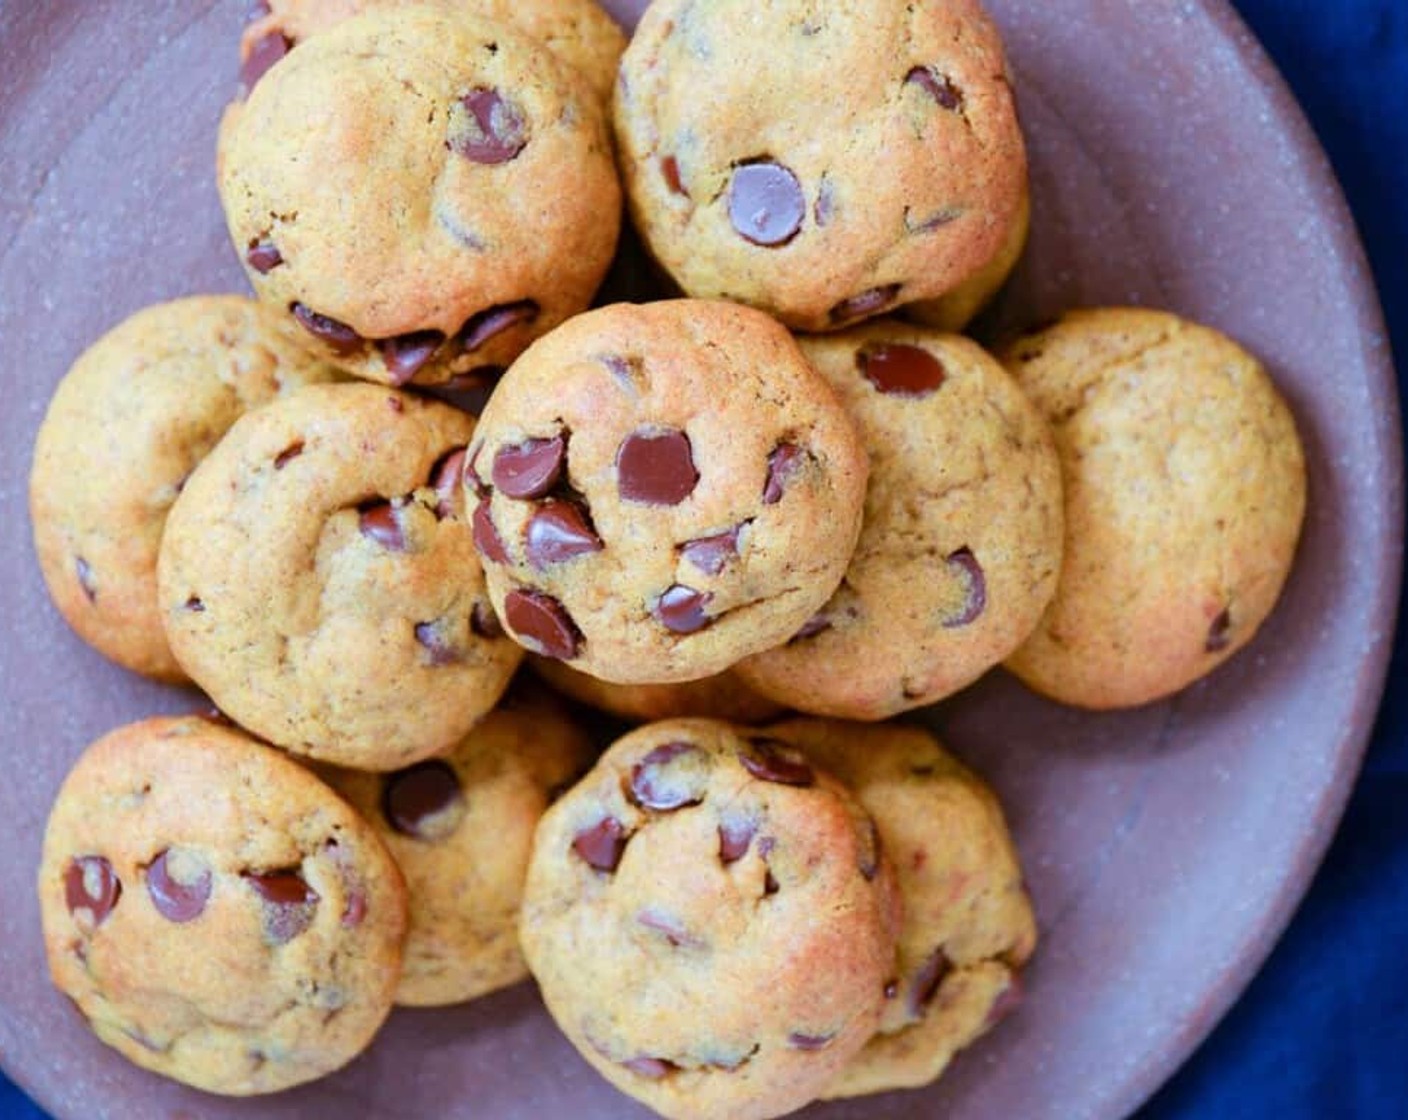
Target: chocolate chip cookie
<point>711,921</point>
<point>215,912</point>
<point>578,32</point>
<point>126,426</point>
<point>723,696</point>
<point>1185,494</point>
<point>954,311</point>
<point>825,163</point>
<point>661,489</point>
<point>961,543</point>
<point>968,924</point>
<point>460,827</point>
<point>423,192</point>
<point>317,578</point>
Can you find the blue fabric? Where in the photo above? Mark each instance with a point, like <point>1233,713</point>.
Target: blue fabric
<point>1323,1031</point>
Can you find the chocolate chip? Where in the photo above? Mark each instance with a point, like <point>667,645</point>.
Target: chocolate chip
<point>1220,632</point>
<point>484,622</point>
<point>670,169</point>
<point>652,1068</point>
<point>818,623</point>
<point>469,392</point>
<point>542,624</point>
<point>288,455</point>
<point>91,884</point>
<point>770,886</point>
<point>765,203</point>
<point>488,324</point>
<point>406,354</point>
<point>531,468</point>
<point>471,469</point>
<point>711,555</point>
<point>411,797</point>
<point>341,338</point>
<point>976,589</point>
<point>734,838</point>
<point>84,571</point>
<point>1007,1001</point>
<point>601,845</point>
<point>559,531</point>
<point>927,981</point>
<point>771,760</point>
<point>263,256</point>
<point>378,522</point>
<point>262,55</point>
<point>672,929</point>
<point>657,785</point>
<point>938,86</point>
<point>289,903</point>
<point>195,605</point>
<point>495,130</point>
<point>902,371</point>
<point>438,642</point>
<point>681,610</point>
<point>866,304</point>
<point>174,900</point>
<point>445,479</point>
<point>892,989</point>
<point>486,535</point>
<point>783,463</point>
<point>871,853</point>
<point>800,1041</point>
<point>656,467</point>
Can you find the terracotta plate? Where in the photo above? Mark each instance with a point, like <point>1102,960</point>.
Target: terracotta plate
<point>1166,847</point>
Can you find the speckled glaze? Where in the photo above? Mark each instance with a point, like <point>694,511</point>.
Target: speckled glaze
<point>1166,847</point>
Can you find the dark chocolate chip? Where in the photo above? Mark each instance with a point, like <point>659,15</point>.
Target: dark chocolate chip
<point>195,605</point>
<point>445,479</point>
<point>652,1068</point>
<point>711,555</point>
<point>938,86</point>
<point>892,989</point>
<point>174,900</point>
<point>868,303</point>
<point>656,785</point>
<point>927,981</point>
<point>976,589</point>
<point>601,845</point>
<point>287,455</point>
<point>494,321</point>
<point>774,761</point>
<point>406,354</point>
<point>469,392</point>
<point>262,55</point>
<point>902,371</point>
<point>681,610</point>
<point>486,535</point>
<point>484,622</point>
<point>542,624</point>
<point>438,642</point>
<point>559,531</point>
<point>765,203</point>
<point>472,480</point>
<point>1220,632</point>
<point>341,338</point>
<point>495,131</point>
<point>84,571</point>
<point>818,623</point>
<point>531,468</point>
<point>656,467</point>
<point>670,169</point>
<point>770,886</point>
<point>799,1041</point>
<point>263,256</point>
<point>783,463</point>
<point>735,836</point>
<point>410,797</point>
<point>871,854</point>
<point>91,884</point>
<point>378,522</point>
<point>289,903</point>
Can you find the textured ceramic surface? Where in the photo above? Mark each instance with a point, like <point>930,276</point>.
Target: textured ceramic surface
<point>1166,847</point>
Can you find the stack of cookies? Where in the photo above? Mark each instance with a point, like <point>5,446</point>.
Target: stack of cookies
<point>679,513</point>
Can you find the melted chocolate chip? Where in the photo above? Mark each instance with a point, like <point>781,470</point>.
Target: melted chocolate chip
<point>657,785</point>
<point>406,354</point>
<point>558,532</point>
<point>735,836</point>
<point>652,1068</point>
<point>494,321</point>
<point>289,903</point>
<point>438,642</point>
<point>871,853</point>
<point>486,535</point>
<point>818,623</point>
<point>976,589</point>
<point>411,797</point>
<point>927,981</point>
<point>379,523</point>
<point>892,989</point>
<point>445,479</point>
<point>656,467</point>
<point>287,455</point>
<point>341,338</point>
<point>670,169</point>
<point>531,468</point>
<point>484,622</point>
<point>84,571</point>
<point>771,760</point>
<point>1220,633</point>
<point>799,1041</point>
<point>263,256</point>
<point>711,555</point>
<point>262,55</point>
<point>784,462</point>
<point>195,605</point>
<point>903,371</point>
<point>91,884</point>
<point>938,86</point>
<point>601,845</point>
<point>672,929</point>
<point>765,203</point>
<point>868,303</point>
<point>542,624</point>
<point>681,610</point>
<point>495,129</point>
<point>174,900</point>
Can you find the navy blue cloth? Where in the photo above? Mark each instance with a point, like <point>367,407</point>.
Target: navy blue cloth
<point>1323,1030</point>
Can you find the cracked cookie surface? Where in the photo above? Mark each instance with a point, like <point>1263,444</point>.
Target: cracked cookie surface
<point>1185,493</point>
<point>423,193</point>
<point>968,924</point>
<point>823,162</point>
<point>126,426</point>
<point>460,828</point>
<point>318,579</point>
<point>961,542</point>
<point>658,490</point>
<point>711,921</point>
<point>216,913</point>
